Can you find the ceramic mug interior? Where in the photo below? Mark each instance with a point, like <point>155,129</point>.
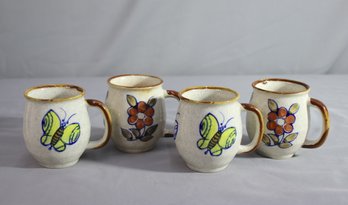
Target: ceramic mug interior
<point>58,92</point>
<point>281,86</point>
<point>207,94</point>
<point>135,81</point>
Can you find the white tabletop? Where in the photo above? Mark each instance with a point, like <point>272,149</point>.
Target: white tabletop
<point>107,176</point>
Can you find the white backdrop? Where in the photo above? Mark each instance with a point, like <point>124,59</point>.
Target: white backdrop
<point>50,38</point>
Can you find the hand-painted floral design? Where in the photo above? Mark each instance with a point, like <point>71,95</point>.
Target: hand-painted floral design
<point>140,116</point>
<point>281,123</point>
<point>176,125</point>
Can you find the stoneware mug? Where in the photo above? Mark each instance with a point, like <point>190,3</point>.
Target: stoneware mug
<point>136,104</point>
<point>208,127</point>
<point>57,126</point>
<point>285,107</point>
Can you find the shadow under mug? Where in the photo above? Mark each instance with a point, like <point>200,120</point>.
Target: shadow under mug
<point>137,107</point>
<point>208,127</point>
<point>285,107</point>
<point>57,125</point>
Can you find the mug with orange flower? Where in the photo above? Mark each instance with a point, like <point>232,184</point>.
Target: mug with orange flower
<point>284,104</point>
<point>136,104</point>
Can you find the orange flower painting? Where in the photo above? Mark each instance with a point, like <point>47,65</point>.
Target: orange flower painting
<point>281,124</point>
<point>140,117</point>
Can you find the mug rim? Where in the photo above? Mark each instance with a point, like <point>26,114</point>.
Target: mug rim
<point>68,86</point>
<point>307,88</point>
<point>134,87</point>
<point>234,99</point>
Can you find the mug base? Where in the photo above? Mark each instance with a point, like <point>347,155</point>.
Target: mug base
<point>138,150</point>
<point>206,170</point>
<point>276,157</point>
<point>58,166</point>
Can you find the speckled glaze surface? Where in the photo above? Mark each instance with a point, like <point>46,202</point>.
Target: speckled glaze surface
<point>136,104</point>
<point>285,107</point>
<point>56,125</point>
<point>208,128</point>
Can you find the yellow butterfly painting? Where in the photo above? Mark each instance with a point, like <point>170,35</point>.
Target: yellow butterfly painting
<point>58,133</point>
<point>215,136</point>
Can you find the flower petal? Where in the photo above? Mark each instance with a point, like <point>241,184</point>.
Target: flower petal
<point>288,128</point>
<point>149,112</point>
<point>272,116</point>
<point>132,120</point>
<point>140,124</point>
<point>142,106</point>
<point>271,125</point>
<point>132,111</point>
<point>279,130</point>
<point>148,121</point>
<point>290,119</point>
<point>282,112</point>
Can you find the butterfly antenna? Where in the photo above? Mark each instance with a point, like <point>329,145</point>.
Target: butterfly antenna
<point>221,127</point>
<point>223,117</point>
<point>64,113</point>
<point>67,122</point>
<point>228,121</point>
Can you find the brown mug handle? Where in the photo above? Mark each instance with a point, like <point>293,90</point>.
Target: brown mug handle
<point>171,94</point>
<point>326,125</point>
<point>255,140</point>
<point>107,121</point>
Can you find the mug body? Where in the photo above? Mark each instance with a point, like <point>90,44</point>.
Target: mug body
<point>136,104</point>
<point>284,105</point>
<point>208,131</point>
<point>56,125</point>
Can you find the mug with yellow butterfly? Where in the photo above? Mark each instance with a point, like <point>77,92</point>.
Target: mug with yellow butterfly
<point>208,128</point>
<point>56,124</point>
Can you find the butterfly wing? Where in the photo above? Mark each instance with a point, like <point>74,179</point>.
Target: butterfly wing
<point>71,133</point>
<point>228,137</point>
<point>50,124</point>
<point>216,150</point>
<point>208,127</point>
<point>59,146</point>
<point>70,136</point>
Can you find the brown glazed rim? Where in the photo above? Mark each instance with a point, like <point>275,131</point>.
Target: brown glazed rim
<point>79,89</point>
<point>209,88</point>
<point>135,87</point>
<point>282,80</point>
